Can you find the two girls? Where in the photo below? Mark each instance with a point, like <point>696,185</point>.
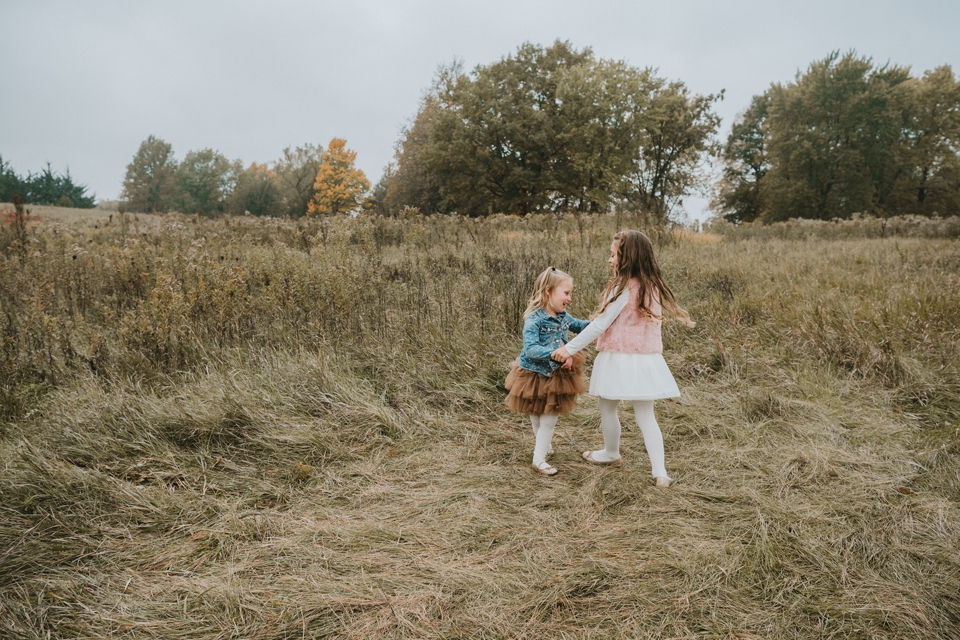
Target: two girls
<point>630,364</point>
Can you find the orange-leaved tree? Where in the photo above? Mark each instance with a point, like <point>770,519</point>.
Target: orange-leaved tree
<point>339,186</point>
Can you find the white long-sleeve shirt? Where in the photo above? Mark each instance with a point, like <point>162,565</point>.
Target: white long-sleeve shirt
<point>599,324</point>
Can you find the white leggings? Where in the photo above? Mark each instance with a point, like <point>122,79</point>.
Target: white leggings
<point>543,426</point>
<point>652,438</point>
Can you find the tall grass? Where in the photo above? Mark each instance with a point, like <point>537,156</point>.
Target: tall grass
<point>263,428</point>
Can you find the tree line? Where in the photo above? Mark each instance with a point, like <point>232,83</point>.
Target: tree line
<point>845,137</point>
<point>44,188</point>
<point>556,129</point>
<point>305,180</point>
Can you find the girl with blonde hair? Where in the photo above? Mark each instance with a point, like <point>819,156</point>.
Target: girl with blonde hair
<point>542,387</point>
<point>629,363</point>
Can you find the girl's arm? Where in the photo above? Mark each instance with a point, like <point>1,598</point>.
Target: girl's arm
<point>577,325</point>
<point>531,342</point>
<point>599,324</point>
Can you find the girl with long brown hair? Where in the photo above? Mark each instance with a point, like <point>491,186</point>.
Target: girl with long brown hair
<point>629,363</point>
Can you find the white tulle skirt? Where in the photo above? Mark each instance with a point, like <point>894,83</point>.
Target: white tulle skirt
<point>632,376</point>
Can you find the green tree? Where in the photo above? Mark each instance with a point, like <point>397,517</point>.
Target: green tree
<point>377,202</point>
<point>150,181</point>
<point>931,147</point>
<point>678,133</point>
<point>834,139</point>
<point>58,189</point>
<point>552,129</point>
<point>845,137</point>
<point>256,192</point>
<point>10,183</point>
<point>296,172</point>
<point>604,114</point>
<point>339,186</point>
<point>493,144</point>
<point>407,182</point>
<point>746,162</point>
<point>205,180</point>
<point>44,188</point>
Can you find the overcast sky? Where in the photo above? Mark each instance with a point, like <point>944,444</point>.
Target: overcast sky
<point>84,83</point>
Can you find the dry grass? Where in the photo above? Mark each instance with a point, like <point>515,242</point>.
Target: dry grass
<point>96,217</point>
<point>264,429</point>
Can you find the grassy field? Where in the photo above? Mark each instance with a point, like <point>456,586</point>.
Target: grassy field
<point>255,428</point>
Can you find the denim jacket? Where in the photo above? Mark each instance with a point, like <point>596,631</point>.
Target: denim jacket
<point>542,335</point>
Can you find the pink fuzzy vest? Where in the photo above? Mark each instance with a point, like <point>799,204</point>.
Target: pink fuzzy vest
<point>632,331</point>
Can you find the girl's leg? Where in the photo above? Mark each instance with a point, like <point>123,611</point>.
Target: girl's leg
<point>652,437</point>
<point>535,423</point>
<point>610,426</point>
<point>544,437</point>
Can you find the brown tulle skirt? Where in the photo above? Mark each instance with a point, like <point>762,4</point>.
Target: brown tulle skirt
<point>535,393</point>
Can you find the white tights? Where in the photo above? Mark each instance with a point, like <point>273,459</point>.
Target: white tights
<point>543,426</point>
<point>652,438</point>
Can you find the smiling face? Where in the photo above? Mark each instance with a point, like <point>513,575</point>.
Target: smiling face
<point>560,297</point>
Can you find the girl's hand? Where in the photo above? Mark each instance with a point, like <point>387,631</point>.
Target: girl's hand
<point>560,355</point>
<point>568,363</point>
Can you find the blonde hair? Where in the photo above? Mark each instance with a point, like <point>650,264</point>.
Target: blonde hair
<point>548,280</point>
<point>635,260</point>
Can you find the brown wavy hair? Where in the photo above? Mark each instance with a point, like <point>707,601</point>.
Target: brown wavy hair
<point>635,259</point>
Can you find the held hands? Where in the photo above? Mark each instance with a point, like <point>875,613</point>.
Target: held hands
<point>561,355</point>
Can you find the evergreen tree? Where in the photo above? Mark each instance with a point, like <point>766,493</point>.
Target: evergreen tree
<point>10,183</point>
<point>49,188</point>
